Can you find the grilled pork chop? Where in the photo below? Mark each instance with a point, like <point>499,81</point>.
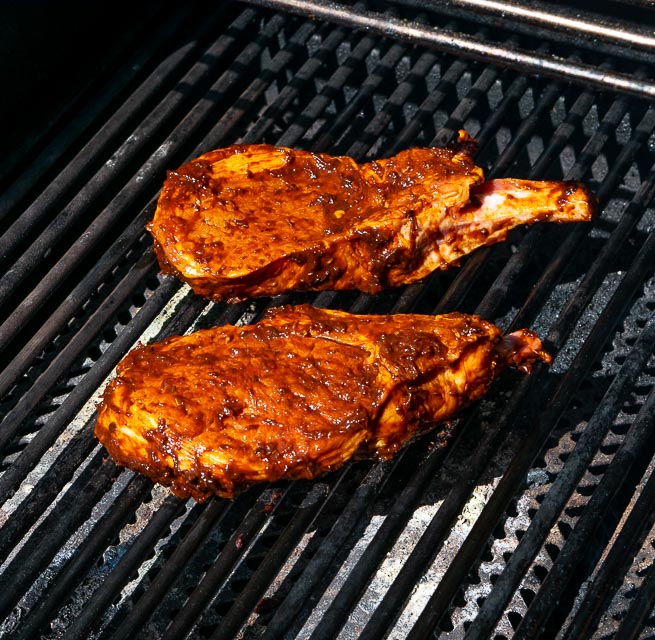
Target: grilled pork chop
<point>297,394</point>
<point>254,220</point>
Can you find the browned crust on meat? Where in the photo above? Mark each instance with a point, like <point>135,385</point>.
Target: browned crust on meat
<point>296,395</point>
<point>254,220</point>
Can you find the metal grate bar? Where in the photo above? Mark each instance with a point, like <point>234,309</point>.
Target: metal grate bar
<point>636,440</point>
<point>478,91</point>
<point>562,18</point>
<point>383,607</point>
<point>376,550</point>
<point>290,614</point>
<point>491,125</point>
<point>83,114</point>
<point>551,93</point>
<point>72,404</point>
<point>248,599</point>
<point>625,39</point>
<point>523,459</point>
<point>393,104</point>
<point>640,608</point>
<point>436,97</point>
<point>563,487</point>
<point>225,563</point>
<point>107,219</point>
<point>145,541</point>
<point>301,84</point>
<point>607,579</point>
<point>148,602</point>
<point>229,122</point>
<point>346,116</point>
<point>83,291</point>
<point>65,358</point>
<point>64,518</point>
<point>102,143</point>
<point>94,545</point>
<point>625,157</point>
<point>45,491</point>
<point>459,44</point>
<point>333,88</point>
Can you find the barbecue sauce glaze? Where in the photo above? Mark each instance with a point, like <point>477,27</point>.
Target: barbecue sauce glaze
<point>253,220</point>
<point>297,394</point>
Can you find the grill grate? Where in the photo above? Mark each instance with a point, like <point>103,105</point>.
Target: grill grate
<point>534,515</point>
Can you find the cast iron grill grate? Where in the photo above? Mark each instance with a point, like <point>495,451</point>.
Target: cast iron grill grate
<point>541,496</point>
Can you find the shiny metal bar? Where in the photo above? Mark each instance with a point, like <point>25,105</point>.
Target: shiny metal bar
<point>544,64</point>
<point>561,19</point>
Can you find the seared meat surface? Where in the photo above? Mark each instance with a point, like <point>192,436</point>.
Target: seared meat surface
<point>297,394</point>
<point>254,220</point>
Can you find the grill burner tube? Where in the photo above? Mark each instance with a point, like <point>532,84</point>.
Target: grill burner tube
<point>538,514</point>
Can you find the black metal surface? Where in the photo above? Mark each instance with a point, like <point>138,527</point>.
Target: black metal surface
<point>533,517</point>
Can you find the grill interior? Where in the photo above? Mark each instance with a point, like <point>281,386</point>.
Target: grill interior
<point>535,515</point>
